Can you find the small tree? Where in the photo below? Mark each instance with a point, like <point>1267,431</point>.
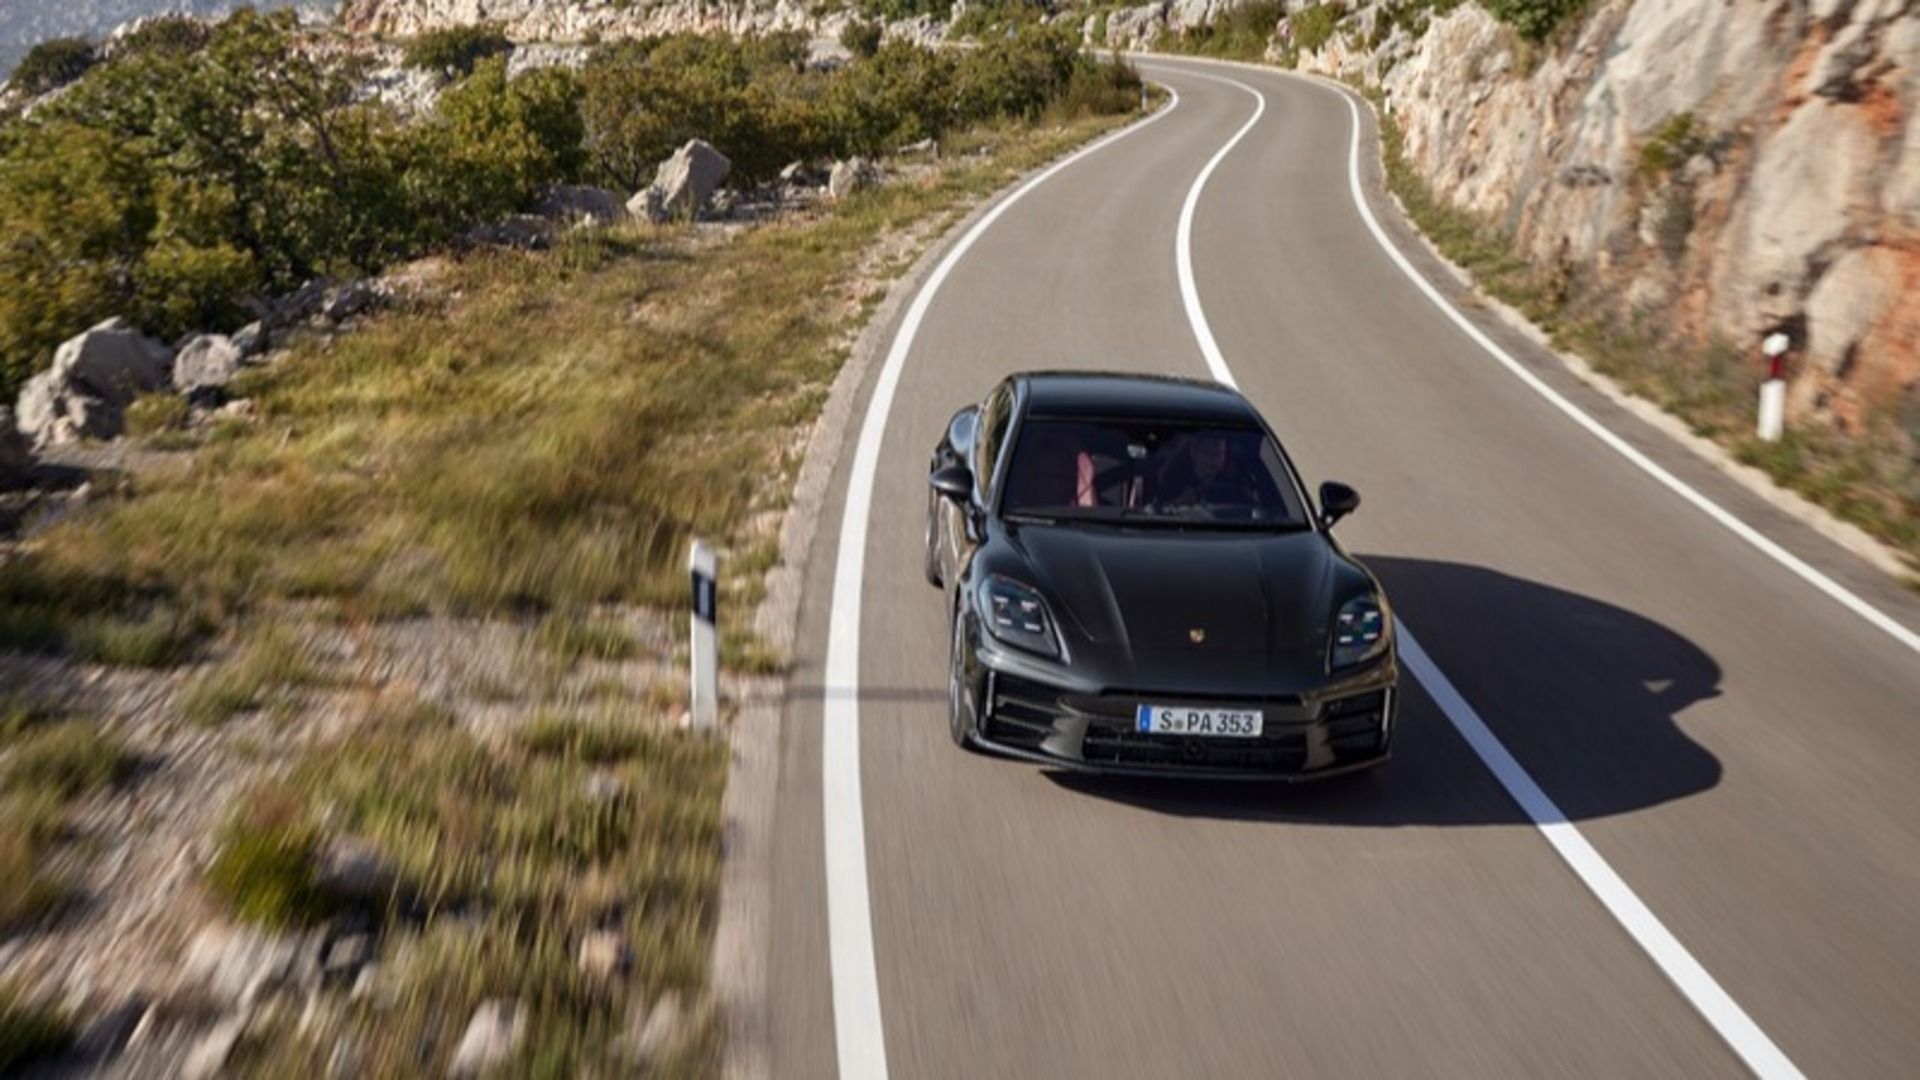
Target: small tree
<point>862,38</point>
<point>53,64</point>
<point>457,50</point>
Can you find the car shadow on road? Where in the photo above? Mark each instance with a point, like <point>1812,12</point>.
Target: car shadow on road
<point>1584,694</point>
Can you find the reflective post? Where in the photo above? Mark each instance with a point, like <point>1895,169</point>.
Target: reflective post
<point>703,647</point>
<point>1773,392</point>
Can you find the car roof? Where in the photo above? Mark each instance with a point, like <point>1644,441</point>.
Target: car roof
<point>1114,395</point>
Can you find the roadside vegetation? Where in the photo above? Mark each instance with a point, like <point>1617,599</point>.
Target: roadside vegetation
<point>177,185</point>
<point>1870,478</point>
<point>501,473</point>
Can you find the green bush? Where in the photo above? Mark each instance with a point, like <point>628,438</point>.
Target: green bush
<point>1678,139</point>
<point>751,98</point>
<point>267,869</point>
<point>53,64</point>
<point>861,37</point>
<point>1016,75</point>
<point>1313,26</point>
<point>457,50</point>
<point>172,34</point>
<point>902,94</point>
<point>1535,20</point>
<point>1242,33</point>
<point>67,760</point>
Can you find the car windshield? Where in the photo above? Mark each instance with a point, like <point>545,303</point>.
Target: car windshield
<point>1150,472</point>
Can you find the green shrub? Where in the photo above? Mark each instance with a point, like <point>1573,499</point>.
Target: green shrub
<point>1676,140</point>
<point>861,37</point>
<point>457,50</point>
<point>751,98</point>
<point>902,94</point>
<point>1242,33</point>
<point>267,869</point>
<point>1314,26</point>
<point>30,1031</point>
<point>65,761</point>
<point>53,64</point>
<point>1015,75</point>
<point>77,205</point>
<point>1535,20</point>
<point>170,34</point>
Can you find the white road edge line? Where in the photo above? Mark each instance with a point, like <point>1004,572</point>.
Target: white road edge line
<point>859,1039</point>
<point>1693,981</point>
<point>1846,597</point>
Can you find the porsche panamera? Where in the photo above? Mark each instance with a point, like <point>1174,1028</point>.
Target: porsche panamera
<point>1137,582</point>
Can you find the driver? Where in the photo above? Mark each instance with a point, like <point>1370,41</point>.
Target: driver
<point>1200,472</point>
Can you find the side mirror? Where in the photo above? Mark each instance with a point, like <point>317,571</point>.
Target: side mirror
<point>1337,500</point>
<point>953,482</point>
<point>960,430</point>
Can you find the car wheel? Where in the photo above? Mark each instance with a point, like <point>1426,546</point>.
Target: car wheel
<point>932,550</point>
<point>960,719</point>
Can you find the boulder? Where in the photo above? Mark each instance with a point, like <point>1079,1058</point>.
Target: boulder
<point>683,183</point>
<point>491,1038</point>
<point>300,305</point>
<point>582,204</point>
<point>350,300</point>
<point>235,966</point>
<point>94,377</point>
<point>850,176</point>
<point>205,361</point>
<point>251,340</point>
<point>16,456</point>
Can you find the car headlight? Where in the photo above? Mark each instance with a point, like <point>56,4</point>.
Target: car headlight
<point>1015,614</point>
<point>1359,632</point>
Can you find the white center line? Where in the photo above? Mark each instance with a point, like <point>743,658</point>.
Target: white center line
<point>859,1040</point>
<point>1693,981</point>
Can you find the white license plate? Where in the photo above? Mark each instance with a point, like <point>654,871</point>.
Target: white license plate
<point>1176,720</point>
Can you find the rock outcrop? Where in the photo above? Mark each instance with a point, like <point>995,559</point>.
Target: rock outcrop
<point>1728,169</point>
<point>94,377</point>
<point>579,20</point>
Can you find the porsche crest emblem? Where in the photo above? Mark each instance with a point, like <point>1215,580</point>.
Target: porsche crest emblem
<point>1197,635</point>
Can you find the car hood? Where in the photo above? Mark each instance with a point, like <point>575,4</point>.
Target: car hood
<point>1201,611</point>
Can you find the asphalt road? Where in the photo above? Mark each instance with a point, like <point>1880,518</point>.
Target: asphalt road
<point>1736,746</point>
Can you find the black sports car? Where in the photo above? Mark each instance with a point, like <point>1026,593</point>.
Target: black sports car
<point>1138,583</point>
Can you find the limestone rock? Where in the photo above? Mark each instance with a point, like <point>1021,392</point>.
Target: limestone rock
<point>491,1038</point>
<point>94,377</point>
<point>853,175</point>
<point>683,184</point>
<point>204,361</point>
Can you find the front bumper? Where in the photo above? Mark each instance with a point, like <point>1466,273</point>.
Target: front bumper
<point>1303,737</point>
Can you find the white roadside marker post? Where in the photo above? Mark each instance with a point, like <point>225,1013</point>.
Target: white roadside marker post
<point>703,648</point>
<point>1773,392</point>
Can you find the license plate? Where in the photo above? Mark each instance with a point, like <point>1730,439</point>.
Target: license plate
<point>1177,720</point>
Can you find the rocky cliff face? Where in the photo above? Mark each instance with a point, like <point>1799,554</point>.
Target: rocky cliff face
<point>1731,167</point>
<point>1725,167</point>
<point>577,20</point>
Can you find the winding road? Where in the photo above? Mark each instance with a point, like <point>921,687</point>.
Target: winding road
<point>1653,809</point>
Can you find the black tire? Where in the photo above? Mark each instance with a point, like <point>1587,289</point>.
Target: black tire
<point>960,722</point>
<point>932,557</point>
